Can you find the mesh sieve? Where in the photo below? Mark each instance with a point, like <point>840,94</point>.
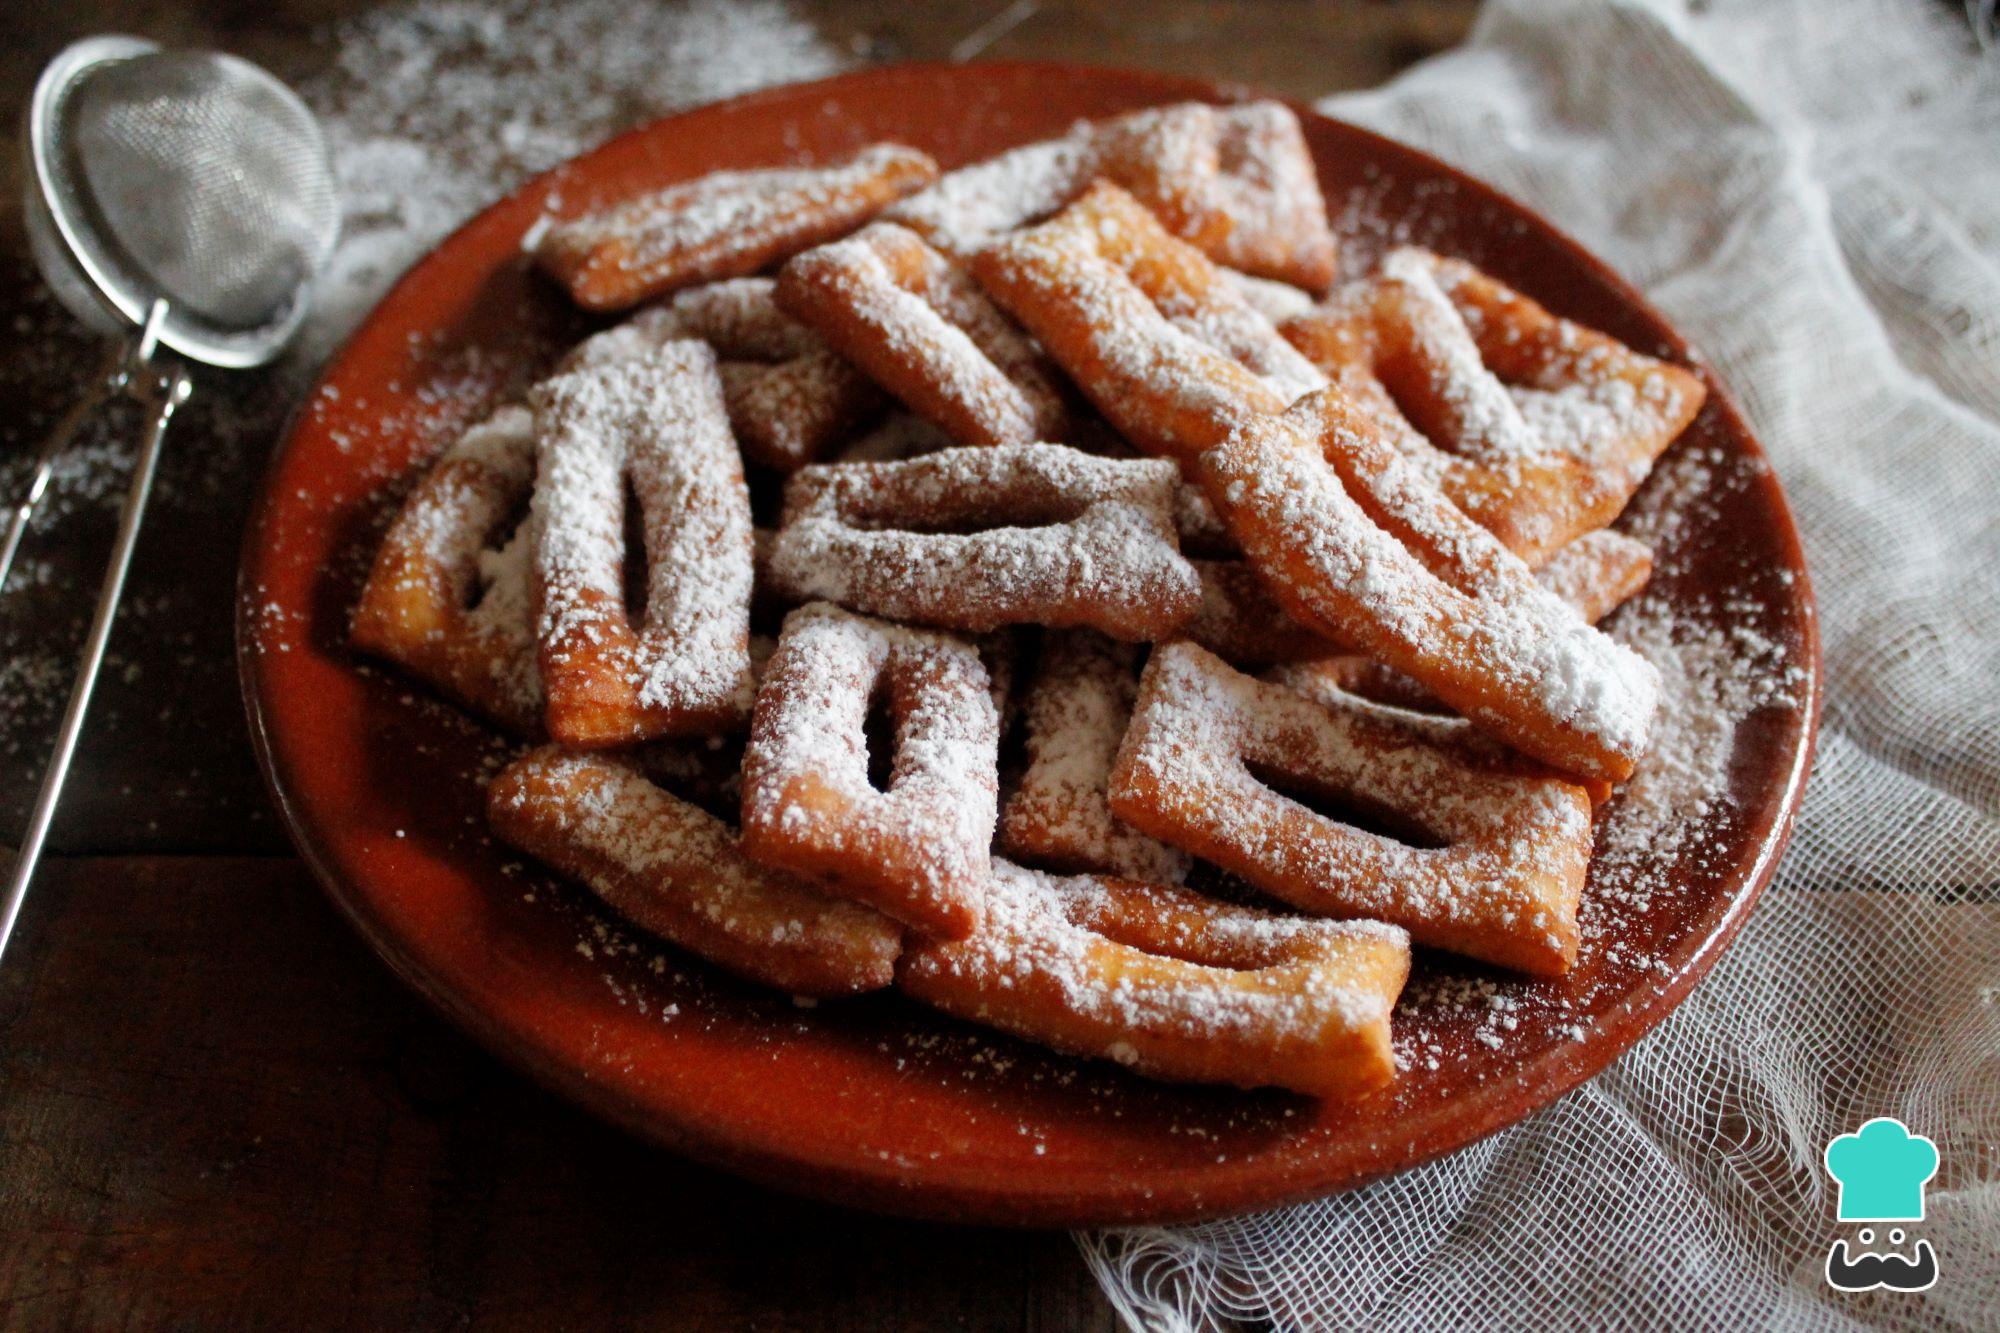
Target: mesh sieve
<point>208,177</point>
<point>191,196</point>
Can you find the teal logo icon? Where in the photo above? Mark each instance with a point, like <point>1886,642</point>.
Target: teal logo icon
<point>1882,1169</point>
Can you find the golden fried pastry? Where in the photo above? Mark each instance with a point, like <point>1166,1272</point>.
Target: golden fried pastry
<point>1355,543</point>
<point>1393,501</point>
<point>1172,984</point>
<point>973,539</point>
<point>727,224</point>
<point>1538,428</point>
<point>1241,621</point>
<point>1275,301</point>
<point>1492,853</point>
<point>1596,574</point>
<point>1078,703</point>
<point>1353,673</point>
<point>919,848</point>
<point>1237,182</point>
<point>919,324</point>
<point>1335,681</point>
<point>1152,332</point>
<point>449,596</point>
<point>791,398</point>
<point>654,424</point>
<point>676,871</point>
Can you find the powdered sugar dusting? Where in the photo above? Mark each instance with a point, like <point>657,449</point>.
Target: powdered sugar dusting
<point>1486,423</point>
<point>1715,672</point>
<point>1492,623</point>
<point>790,397</point>
<point>678,872</point>
<point>1236,181</point>
<point>1057,537</point>
<point>923,328</point>
<point>1172,984</point>
<point>1539,428</point>
<point>450,596</point>
<point>659,421</point>
<point>920,848</point>
<point>1499,860</point>
<point>720,225</point>
<point>1149,329</point>
<point>1707,649</point>
<point>436,108</point>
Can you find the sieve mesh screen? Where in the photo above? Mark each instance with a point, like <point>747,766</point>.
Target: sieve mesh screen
<point>208,177</point>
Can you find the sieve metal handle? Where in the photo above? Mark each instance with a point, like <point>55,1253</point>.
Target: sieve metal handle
<point>108,384</point>
<point>160,392</point>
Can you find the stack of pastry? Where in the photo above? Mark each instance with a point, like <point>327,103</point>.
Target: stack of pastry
<point>1275,588</point>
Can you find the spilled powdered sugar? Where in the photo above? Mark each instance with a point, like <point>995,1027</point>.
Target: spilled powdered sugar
<point>436,108</point>
<point>1714,673</point>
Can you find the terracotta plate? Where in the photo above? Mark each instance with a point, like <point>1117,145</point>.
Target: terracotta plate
<point>878,1101</point>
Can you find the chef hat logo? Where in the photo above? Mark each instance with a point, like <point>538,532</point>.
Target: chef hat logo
<point>1882,1169</point>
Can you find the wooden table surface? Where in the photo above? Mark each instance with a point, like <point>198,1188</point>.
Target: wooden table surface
<point>217,1109</point>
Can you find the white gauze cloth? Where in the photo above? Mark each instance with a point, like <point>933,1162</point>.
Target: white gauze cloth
<point>1811,190</point>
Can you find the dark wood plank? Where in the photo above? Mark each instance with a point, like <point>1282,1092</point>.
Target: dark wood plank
<point>216,1111</point>
<point>165,761</point>
<point>1302,50</point>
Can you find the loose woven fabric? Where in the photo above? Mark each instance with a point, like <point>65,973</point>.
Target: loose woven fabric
<point>1811,190</point>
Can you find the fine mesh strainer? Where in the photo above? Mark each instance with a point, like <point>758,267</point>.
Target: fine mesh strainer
<point>179,200</point>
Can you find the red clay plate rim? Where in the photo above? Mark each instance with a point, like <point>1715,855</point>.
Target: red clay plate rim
<point>1111,1199</point>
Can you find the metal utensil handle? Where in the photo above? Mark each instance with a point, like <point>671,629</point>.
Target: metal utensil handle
<point>108,384</point>
<point>161,392</point>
